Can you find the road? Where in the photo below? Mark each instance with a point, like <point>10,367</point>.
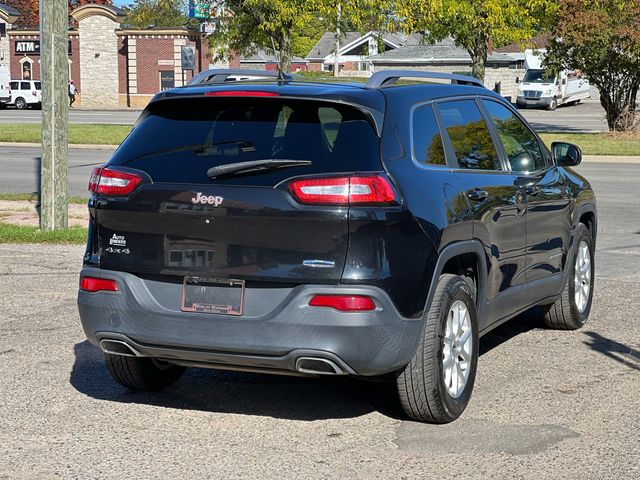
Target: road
<point>587,117</point>
<point>547,404</point>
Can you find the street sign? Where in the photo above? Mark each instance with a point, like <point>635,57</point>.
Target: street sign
<point>203,9</point>
<point>188,57</point>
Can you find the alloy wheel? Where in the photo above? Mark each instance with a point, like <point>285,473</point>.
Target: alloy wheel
<point>457,349</point>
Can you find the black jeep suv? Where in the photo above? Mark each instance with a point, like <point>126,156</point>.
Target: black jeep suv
<point>283,226</point>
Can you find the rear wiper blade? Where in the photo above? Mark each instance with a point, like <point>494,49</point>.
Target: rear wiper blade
<point>254,166</point>
<point>201,149</point>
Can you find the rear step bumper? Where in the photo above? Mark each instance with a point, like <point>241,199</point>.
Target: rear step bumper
<point>281,334</point>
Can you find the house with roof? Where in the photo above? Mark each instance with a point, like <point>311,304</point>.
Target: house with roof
<point>446,57</point>
<point>265,59</point>
<point>8,16</point>
<point>354,52</point>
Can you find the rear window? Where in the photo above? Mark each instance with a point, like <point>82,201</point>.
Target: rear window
<point>38,85</point>
<point>179,140</point>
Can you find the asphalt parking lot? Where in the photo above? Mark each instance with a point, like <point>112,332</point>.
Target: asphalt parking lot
<point>547,404</point>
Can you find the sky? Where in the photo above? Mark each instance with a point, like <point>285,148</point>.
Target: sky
<point>122,3</point>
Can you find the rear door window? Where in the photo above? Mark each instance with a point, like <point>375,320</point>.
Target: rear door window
<point>469,135</point>
<point>177,141</point>
<point>520,144</point>
<point>38,85</point>
<point>427,141</point>
<point>25,86</point>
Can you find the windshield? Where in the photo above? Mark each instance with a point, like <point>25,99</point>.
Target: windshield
<point>538,76</point>
<point>179,141</point>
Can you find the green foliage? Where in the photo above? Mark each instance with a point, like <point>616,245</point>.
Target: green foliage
<point>22,234</point>
<point>94,134</point>
<point>474,23</point>
<point>160,13</point>
<point>602,39</point>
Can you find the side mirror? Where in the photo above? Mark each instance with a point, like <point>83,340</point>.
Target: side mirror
<point>566,154</point>
<point>517,79</point>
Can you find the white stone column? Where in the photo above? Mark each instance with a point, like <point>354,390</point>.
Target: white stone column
<point>177,59</point>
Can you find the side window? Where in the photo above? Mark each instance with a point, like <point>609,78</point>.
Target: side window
<point>521,146</point>
<point>427,141</point>
<point>25,86</point>
<point>13,85</point>
<point>469,135</point>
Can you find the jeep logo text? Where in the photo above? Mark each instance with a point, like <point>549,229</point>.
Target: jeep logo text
<point>207,199</point>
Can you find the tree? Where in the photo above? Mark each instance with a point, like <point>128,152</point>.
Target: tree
<point>30,10</point>
<point>602,39</point>
<point>160,13</point>
<point>474,24</point>
<point>250,24</point>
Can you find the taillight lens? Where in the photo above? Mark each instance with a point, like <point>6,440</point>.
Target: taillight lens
<point>92,284</point>
<point>343,190</point>
<point>344,303</point>
<point>111,182</point>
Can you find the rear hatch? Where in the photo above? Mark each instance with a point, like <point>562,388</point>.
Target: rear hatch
<point>193,213</point>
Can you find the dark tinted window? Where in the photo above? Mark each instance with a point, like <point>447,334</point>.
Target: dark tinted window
<point>427,142</point>
<point>469,135</point>
<point>521,146</point>
<point>25,86</point>
<point>38,85</point>
<point>336,138</point>
<point>13,85</point>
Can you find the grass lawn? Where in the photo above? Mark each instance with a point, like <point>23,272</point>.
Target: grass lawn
<point>94,134</point>
<point>32,198</point>
<point>102,134</point>
<point>599,143</point>
<point>23,234</point>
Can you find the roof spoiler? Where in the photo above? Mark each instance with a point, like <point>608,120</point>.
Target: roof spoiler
<point>221,75</point>
<point>389,77</point>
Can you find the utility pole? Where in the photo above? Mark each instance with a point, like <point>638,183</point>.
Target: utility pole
<point>54,73</point>
<point>336,63</point>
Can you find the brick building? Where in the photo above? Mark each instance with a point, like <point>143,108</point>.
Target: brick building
<point>111,66</point>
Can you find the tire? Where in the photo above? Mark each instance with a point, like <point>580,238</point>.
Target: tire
<point>571,310</point>
<point>425,392</point>
<point>553,105</point>
<point>142,374</point>
<point>20,103</point>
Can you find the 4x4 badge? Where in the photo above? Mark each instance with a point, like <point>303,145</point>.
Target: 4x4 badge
<point>216,201</point>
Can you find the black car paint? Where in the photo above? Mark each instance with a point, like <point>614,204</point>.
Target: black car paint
<point>521,235</point>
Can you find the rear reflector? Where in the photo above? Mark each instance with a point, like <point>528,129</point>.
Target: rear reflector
<point>344,303</point>
<point>241,93</point>
<point>110,182</point>
<point>343,190</point>
<point>92,284</point>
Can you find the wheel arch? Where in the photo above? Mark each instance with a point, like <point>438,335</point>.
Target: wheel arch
<point>458,258</point>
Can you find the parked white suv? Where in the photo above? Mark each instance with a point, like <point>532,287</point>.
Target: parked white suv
<point>25,93</point>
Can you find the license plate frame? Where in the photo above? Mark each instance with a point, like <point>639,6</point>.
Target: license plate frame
<point>197,291</point>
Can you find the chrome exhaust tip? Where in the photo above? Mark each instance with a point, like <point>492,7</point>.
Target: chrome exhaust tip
<point>118,347</point>
<point>318,366</point>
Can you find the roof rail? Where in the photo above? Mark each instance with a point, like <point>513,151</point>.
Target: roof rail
<point>220,75</point>
<point>389,77</point>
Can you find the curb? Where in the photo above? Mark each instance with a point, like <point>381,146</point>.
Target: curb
<point>611,158</point>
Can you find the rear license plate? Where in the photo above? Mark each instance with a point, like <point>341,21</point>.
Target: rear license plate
<point>212,295</point>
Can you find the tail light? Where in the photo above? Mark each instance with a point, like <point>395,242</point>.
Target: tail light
<point>343,190</point>
<point>111,182</point>
<point>344,303</point>
<point>92,284</point>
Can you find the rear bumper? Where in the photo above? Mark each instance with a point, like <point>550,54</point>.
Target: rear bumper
<point>277,329</point>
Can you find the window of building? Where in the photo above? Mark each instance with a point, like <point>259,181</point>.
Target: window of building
<point>26,69</point>
<point>167,79</point>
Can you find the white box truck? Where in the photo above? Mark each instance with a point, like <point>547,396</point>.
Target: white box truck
<point>5,92</point>
<point>537,89</point>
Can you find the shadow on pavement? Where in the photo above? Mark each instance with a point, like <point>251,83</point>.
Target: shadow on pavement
<point>617,351</point>
<point>291,398</point>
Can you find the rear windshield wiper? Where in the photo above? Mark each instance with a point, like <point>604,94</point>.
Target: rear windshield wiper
<point>200,149</point>
<point>254,166</point>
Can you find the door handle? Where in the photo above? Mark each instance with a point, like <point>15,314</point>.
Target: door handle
<point>478,195</point>
<point>532,190</point>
